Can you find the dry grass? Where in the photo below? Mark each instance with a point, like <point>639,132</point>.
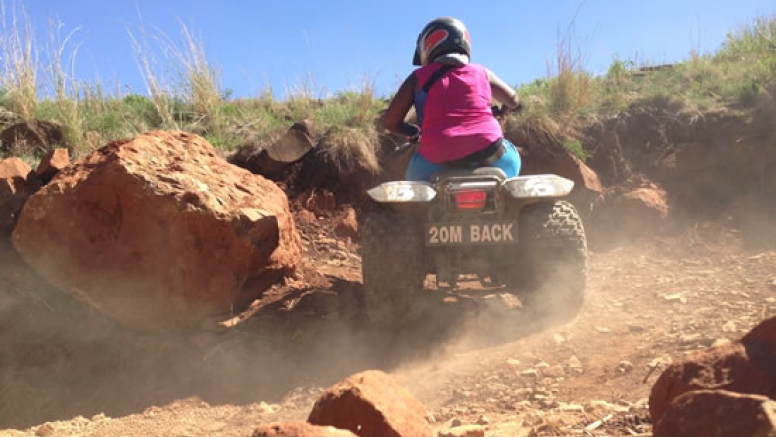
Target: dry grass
<point>20,62</point>
<point>200,81</point>
<point>570,86</point>
<point>154,79</point>
<point>539,131</point>
<point>66,89</point>
<point>349,150</point>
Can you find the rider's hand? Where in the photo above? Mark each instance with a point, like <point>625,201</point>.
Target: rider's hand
<point>411,132</point>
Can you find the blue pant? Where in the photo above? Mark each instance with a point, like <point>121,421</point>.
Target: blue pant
<point>420,169</point>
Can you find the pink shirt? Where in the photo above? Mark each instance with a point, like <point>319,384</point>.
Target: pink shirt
<point>457,119</point>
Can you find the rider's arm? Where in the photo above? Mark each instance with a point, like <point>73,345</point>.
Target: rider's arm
<point>503,92</point>
<point>393,119</point>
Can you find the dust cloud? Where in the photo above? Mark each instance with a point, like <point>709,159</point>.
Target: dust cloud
<point>61,359</point>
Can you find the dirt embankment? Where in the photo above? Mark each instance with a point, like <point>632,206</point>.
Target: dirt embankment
<point>698,280</point>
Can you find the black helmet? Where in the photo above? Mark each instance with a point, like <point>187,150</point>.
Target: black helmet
<point>440,37</point>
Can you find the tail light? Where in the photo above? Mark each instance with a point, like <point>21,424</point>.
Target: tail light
<point>471,199</point>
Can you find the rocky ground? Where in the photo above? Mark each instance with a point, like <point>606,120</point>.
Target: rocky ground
<point>477,362</point>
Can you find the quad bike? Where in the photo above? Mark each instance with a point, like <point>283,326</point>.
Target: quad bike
<point>473,224</point>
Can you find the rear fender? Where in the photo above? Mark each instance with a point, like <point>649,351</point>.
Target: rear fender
<point>403,192</point>
<point>544,186</point>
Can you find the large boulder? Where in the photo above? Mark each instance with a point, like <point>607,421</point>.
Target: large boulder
<point>747,366</point>
<point>587,185</point>
<point>158,231</point>
<point>718,413</point>
<point>298,429</point>
<point>371,404</point>
<point>633,208</point>
<point>17,183</point>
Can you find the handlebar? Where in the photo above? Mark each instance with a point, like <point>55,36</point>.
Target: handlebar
<point>501,111</point>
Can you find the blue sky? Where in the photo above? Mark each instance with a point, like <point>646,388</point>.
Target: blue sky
<point>335,44</point>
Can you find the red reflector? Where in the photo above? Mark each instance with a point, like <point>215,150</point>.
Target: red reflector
<point>471,199</point>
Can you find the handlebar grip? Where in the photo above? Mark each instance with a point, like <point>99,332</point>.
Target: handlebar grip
<point>500,111</point>
<point>497,111</point>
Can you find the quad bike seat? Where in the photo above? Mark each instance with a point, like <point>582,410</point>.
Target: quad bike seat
<point>463,172</point>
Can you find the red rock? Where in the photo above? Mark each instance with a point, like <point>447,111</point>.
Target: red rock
<point>158,231</point>
<point>298,429</point>
<point>718,413</point>
<point>635,211</point>
<point>14,168</point>
<point>17,183</point>
<point>764,333</point>
<point>52,163</point>
<point>347,225</point>
<point>644,205</point>
<point>747,366</point>
<point>634,208</point>
<point>371,404</point>
<point>587,185</point>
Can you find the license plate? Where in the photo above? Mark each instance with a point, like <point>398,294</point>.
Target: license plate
<point>471,233</point>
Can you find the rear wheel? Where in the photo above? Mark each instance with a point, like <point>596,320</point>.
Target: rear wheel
<point>392,265</point>
<point>552,269</point>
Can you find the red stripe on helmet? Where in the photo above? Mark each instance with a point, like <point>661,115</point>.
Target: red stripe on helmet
<point>433,40</point>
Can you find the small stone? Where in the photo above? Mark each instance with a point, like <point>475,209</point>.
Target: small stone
<point>455,423</point>
<point>45,430</point>
<point>542,365</point>
<point>462,394</point>
<point>554,372</point>
<point>730,327</point>
<point>530,373</point>
<point>575,365</point>
<point>677,298</point>
<point>687,339</point>
<point>513,362</point>
<point>641,403</point>
<point>602,329</point>
<point>625,366</point>
<point>770,299</point>
<point>266,408</point>
<point>571,408</point>
<point>483,420</point>
<point>606,406</point>
<point>559,339</point>
<point>635,328</point>
<point>721,342</point>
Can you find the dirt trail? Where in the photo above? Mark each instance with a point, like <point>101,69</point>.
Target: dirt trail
<point>649,302</point>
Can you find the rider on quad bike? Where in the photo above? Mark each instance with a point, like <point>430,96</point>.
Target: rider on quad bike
<point>463,213</point>
<point>452,99</point>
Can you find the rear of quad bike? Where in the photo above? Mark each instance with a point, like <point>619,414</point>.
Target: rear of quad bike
<point>513,232</point>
